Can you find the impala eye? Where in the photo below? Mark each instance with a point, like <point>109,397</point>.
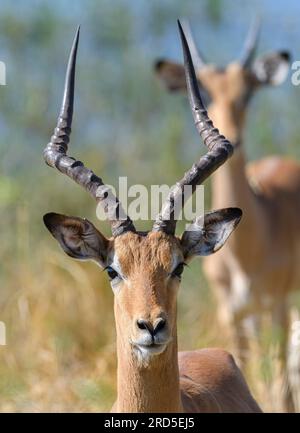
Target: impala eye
<point>178,270</point>
<point>112,274</point>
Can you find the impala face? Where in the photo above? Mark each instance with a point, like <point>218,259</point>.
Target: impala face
<point>144,271</point>
<point>228,90</point>
<point>234,84</point>
<point>144,268</point>
<point>145,274</point>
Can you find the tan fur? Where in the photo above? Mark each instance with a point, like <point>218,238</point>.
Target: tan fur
<point>201,381</point>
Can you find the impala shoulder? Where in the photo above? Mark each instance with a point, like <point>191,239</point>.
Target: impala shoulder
<point>211,381</point>
<point>211,365</point>
<point>274,173</point>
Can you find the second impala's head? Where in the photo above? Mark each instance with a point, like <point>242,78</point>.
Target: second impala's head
<point>228,90</point>
<point>144,268</point>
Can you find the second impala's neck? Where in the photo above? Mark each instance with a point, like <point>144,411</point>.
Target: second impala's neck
<point>152,388</point>
<point>230,186</point>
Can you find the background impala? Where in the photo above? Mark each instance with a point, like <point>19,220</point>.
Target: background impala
<point>60,352</point>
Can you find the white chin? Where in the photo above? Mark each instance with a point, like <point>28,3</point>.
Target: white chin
<point>145,353</point>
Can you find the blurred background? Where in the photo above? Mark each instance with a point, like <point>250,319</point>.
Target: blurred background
<point>60,352</point>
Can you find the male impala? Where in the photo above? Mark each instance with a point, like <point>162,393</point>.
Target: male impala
<point>145,270</point>
<point>259,266</point>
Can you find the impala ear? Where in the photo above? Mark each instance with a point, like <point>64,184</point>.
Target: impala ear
<point>272,68</point>
<point>78,237</point>
<point>171,74</point>
<point>173,77</point>
<point>209,233</point>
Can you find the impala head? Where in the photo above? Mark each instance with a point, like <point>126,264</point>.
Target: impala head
<point>229,89</point>
<point>144,267</point>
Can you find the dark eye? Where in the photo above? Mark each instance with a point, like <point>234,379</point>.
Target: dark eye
<point>178,270</point>
<point>112,274</point>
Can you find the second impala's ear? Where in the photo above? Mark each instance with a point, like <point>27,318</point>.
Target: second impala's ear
<point>78,237</point>
<point>272,68</point>
<point>173,77</point>
<point>209,233</point>
<point>171,74</point>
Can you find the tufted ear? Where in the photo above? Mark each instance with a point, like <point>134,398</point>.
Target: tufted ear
<point>272,68</point>
<point>78,237</point>
<point>209,233</point>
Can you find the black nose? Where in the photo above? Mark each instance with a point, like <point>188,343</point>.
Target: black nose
<point>159,325</point>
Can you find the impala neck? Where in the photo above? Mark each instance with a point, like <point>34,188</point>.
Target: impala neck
<point>152,388</point>
<point>230,186</point>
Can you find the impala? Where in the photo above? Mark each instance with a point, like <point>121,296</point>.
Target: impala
<point>259,266</point>
<point>145,270</point>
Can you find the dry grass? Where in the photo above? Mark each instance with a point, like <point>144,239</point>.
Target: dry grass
<point>60,352</point>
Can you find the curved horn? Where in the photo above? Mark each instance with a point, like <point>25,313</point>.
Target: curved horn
<point>197,57</point>
<point>219,149</point>
<point>250,44</point>
<point>55,155</point>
